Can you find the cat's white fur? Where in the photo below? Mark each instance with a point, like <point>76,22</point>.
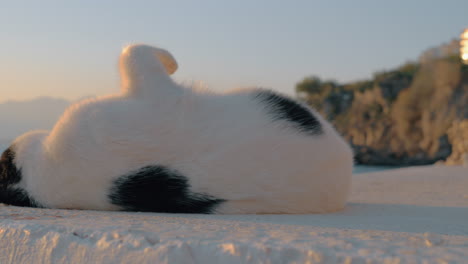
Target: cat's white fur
<point>226,144</point>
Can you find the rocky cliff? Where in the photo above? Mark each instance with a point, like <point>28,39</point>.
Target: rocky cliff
<point>416,114</point>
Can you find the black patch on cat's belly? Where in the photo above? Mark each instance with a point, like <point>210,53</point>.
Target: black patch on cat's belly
<point>11,175</point>
<point>159,189</point>
<point>283,108</point>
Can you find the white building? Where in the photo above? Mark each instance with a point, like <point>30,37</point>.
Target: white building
<point>464,46</point>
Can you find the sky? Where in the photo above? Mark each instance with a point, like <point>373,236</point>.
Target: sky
<point>69,49</point>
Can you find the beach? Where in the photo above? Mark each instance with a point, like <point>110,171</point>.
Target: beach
<point>408,215</point>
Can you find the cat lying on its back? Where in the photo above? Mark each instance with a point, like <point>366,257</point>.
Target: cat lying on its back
<point>157,146</point>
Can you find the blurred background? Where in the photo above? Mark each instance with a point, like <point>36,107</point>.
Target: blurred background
<point>388,74</point>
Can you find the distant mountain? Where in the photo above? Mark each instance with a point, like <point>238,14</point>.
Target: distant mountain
<point>18,117</point>
<point>4,145</point>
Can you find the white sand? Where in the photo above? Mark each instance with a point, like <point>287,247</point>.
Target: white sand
<point>415,215</point>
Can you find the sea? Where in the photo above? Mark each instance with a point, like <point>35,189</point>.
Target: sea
<point>369,168</point>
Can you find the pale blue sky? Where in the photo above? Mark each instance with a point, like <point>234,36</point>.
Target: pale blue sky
<point>69,48</point>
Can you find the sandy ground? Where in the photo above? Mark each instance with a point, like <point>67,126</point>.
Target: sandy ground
<point>413,215</point>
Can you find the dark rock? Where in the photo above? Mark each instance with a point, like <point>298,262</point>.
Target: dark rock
<point>392,85</point>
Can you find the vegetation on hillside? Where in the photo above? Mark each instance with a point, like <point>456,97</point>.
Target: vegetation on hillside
<point>405,116</point>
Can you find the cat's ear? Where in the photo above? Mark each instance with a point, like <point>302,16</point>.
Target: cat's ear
<point>145,68</point>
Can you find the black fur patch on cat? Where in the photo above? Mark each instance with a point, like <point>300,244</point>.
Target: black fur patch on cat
<point>159,189</point>
<point>10,175</point>
<point>17,197</point>
<point>283,108</point>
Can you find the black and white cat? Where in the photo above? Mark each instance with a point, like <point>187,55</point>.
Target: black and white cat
<point>161,147</point>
